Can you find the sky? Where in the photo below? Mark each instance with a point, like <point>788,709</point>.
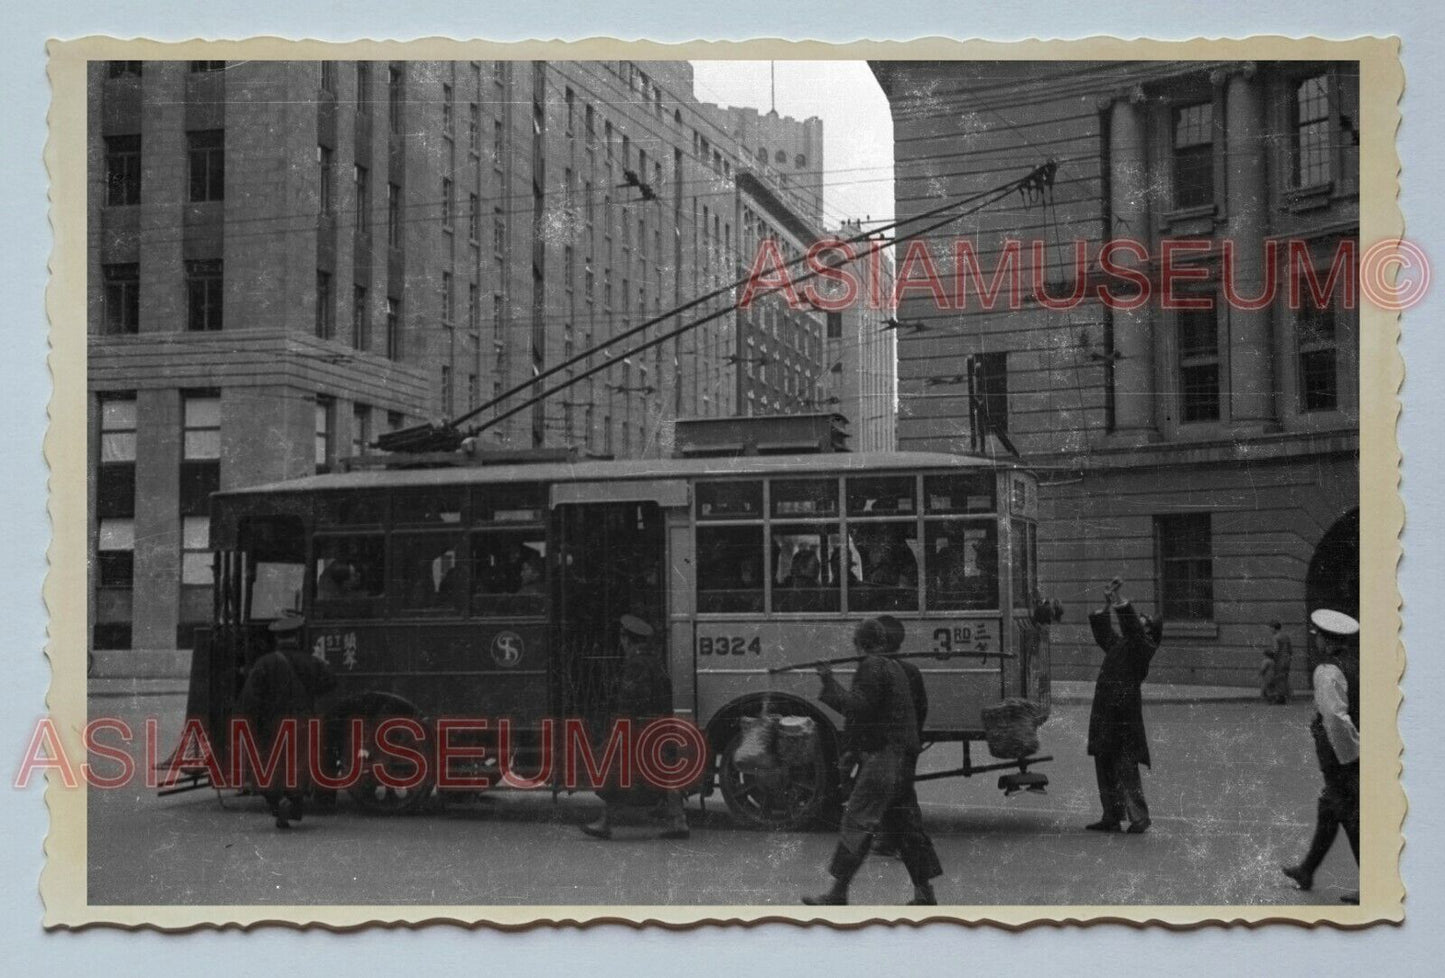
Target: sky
<point>857,128</point>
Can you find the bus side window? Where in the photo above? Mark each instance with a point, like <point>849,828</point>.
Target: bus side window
<point>962,560</point>
<point>430,574</point>
<point>730,568</point>
<point>509,573</point>
<point>806,567</point>
<point>349,574</point>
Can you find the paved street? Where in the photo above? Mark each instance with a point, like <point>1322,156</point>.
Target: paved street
<point>1232,794</point>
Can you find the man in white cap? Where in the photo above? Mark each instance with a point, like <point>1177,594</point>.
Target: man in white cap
<point>1336,731</point>
<point>644,693</point>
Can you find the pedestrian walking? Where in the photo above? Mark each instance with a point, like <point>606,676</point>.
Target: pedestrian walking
<point>902,834</point>
<point>1117,738</point>
<point>1336,732</point>
<point>1275,670</point>
<point>881,730</point>
<point>644,693</point>
<point>279,693</point>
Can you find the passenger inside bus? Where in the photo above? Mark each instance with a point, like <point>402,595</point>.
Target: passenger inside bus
<point>801,586</point>
<point>883,575</point>
<point>729,569</point>
<point>348,575</point>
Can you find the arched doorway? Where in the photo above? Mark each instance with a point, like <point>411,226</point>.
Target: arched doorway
<point>1333,577</point>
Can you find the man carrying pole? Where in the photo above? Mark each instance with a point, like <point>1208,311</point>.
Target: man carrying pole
<point>881,729</point>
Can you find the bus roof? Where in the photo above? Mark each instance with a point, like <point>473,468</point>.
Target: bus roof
<point>593,470</point>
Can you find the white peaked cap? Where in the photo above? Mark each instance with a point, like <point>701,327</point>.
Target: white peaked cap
<point>1335,622</point>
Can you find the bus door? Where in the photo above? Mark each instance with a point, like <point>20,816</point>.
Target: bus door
<point>610,563</point>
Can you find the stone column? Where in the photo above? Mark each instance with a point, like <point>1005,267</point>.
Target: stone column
<point>1134,383</point>
<point>1251,368</point>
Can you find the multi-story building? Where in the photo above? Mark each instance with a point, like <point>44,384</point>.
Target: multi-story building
<point>1208,454</point>
<point>861,380</point>
<point>287,259</point>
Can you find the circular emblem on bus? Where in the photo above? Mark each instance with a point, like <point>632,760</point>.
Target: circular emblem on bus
<point>507,649</point>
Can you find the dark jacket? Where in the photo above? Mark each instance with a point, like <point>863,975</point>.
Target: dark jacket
<point>877,709</point>
<point>643,694</point>
<point>284,685</point>
<point>1116,721</point>
<point>917,690</point>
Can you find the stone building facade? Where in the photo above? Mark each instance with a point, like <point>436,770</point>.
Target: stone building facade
<point>1209,455</point>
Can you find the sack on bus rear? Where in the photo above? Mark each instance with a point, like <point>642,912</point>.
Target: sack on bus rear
<point>795,741</point>
<point>755,752</point>
<point>1011,728</point>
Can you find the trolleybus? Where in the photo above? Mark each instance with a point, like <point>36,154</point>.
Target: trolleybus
<point>476,585</point>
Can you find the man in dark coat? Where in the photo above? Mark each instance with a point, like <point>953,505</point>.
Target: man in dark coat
<point>902,833</point>
<point>281,689</point>
<point>881,729</point>
<point>1117,740</point>
<point>1336,732</point>
<point>644,693</point>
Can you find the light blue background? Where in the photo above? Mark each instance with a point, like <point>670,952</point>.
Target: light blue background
<point>25,387</point>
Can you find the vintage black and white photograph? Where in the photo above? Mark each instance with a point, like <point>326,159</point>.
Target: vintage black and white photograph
<point>831,488</point>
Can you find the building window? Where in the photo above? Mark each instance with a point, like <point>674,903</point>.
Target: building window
<point>325,306</point>
<point>393,215</point>
<point>200,476</point>
<point>571,98</point>
<point>115,511</point>
<point>122,170</point>
<point>835,325</point>
<point>326,162</point>
<point>362,181</point>
<point>446,298</point>
<point>123,69</point>
<point>207,152</point>
<point>360,429</point>
<point>203,295</point>
<point>360,335</point>
<point>1310,157</point>
<point>474,309</point>
<point>394,101</point>
<point>448,112</point>
<point>446,390</point>
<point>474,129</point>
<point>448,203</point>
<point>1199,364</point>
<point>992,390</point>
<point>325,412</point>
<point>393,329</point>
<point>1315,341</point>
<point>473,392</point>
<point>497,143</point>
<point>363,86</point>
<point>1194,155</point>
<point>122,298</point>
<point>199,66</point>
<point>328,77</point>
<point>474,218</point>
<point>499,231</point>
<point>1185,566</point>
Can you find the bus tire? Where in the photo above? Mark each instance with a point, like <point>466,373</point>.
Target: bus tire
<point>786,797</point>
<point>370,793</point>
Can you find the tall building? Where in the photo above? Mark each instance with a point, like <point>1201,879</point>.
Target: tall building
<point>862,357</point>
<point>1207,454</point>
<point>287,259</point>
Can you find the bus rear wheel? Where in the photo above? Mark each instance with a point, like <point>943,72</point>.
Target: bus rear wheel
<point>780,796</point>
<point>396,789</point>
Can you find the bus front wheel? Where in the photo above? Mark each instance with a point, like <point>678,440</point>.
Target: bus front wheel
<point>780,795</point>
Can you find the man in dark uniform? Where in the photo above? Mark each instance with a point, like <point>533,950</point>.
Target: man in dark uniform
<point>901,833</point>
<point>1117,740</point>
<point>644,693</point>
<point>281,688</point>
<point>1336,732</point>
<point>881,728</point>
